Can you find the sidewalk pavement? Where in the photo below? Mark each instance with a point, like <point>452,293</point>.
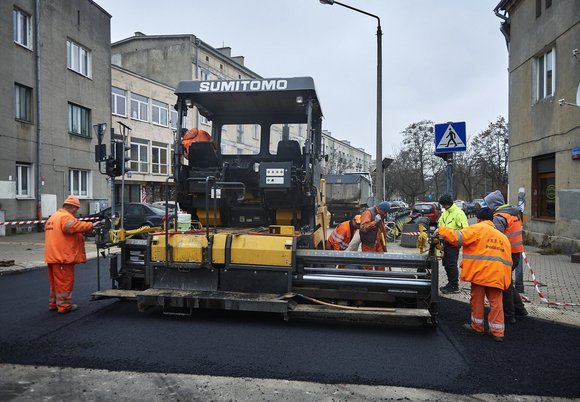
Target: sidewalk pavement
<point>558,277</point>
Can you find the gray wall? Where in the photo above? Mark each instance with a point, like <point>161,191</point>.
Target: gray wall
<point>87,24</point>
<point>545,127</point>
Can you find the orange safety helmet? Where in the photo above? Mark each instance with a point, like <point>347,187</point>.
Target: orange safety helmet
<point>356,219</point>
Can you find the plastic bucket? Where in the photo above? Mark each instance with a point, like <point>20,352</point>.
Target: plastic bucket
<point>183,221</point>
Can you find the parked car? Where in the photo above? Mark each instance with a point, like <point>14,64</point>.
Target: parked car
<point>171,204</point>
<point>136,214</point>
<point>428,210</point>
<point>398,205</point>
<point>461,205</point>
<point>479,201</point>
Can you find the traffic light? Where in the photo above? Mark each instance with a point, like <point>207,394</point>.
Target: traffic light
<point>114,164</point>
<point>110,167</point>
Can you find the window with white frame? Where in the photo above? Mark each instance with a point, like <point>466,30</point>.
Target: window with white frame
<point>79,120</point>
<point>24,183</point>
<point>139,155</point>
<point>159,158</point>
<point>119,102</point>
<point>546,77</point>
<point>159,112</point>
<point>80,183</point>
<point>174,118</point>
<point>78,58</point>
<point>23,102</point>
<point>22,28</point>
<point>139,107</point>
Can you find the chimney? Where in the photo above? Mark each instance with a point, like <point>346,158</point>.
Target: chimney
<point>239,60</point>
<point>226,51</point>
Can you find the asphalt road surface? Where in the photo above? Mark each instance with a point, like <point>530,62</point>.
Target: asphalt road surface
<point>536,358</point>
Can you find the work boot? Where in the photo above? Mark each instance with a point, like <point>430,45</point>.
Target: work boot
<point>521,316</point>
<point>469,328</point>
<point>73,307</point>
<point>510,320</point>
<point>497,338</point>
<point>449,289</point>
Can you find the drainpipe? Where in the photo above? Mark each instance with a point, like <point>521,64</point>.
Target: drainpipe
<point>38,112</point>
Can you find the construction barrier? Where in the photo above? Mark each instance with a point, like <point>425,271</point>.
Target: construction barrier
<point>32,222</point>
<point>540,294</point>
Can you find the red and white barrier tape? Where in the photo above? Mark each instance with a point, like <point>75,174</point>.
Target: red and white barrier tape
<point>42,221</point>
<point>411,233</point>
<point>540,294</point>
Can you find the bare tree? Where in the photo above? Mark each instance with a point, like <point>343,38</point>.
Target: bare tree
<point>491,156</point>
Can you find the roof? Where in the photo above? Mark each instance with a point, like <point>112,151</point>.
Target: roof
<point>269,97</point>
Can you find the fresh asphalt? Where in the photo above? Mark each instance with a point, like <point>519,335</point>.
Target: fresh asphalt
<point>537,358</point>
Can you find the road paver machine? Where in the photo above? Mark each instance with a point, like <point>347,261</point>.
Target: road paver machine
<point>257,203</point>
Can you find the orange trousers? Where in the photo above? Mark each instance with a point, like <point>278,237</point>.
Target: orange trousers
<point>375,248</point>
<point>495,317</point>
<point>61,278</point>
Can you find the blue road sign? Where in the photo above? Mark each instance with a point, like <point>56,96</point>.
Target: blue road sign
<point>450,137</point>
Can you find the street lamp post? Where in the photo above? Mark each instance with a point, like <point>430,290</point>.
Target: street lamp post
<point>379,151</point>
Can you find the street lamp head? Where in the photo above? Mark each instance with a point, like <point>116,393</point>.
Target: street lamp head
<point>329,2</point>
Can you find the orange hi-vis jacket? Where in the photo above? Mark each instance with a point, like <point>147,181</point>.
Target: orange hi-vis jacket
<point>513,230</point>
<point>487,258</point>
<point>340,237</point>
<point>64,240</point>
<point>193,135</point>
<point>371,231</point>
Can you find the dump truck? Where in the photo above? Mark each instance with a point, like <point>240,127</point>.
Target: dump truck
<point>347,194</point>
<point>260,221</point>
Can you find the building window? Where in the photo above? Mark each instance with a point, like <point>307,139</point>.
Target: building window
<point>78,58</point>
<point>24,180</point>
<point>174,119</point>
<point>158,158</point>
<point>79,182</point>
<point>205,75</point>
<point>546,78</point>
<point>23,101</point>
<point>139,155</point>
<point>119,102</point>
<point>79,120</point>
<point>544,187</point>
<point>22,28</point>
<point>256,132</point>
<point>139,107</point>
<point>159,112</point>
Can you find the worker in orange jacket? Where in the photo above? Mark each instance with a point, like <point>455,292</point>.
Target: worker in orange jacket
<point>341,236</point>
<point>507,219</point>
<point>64,247</point>
<point>487,264</point>
<point>194,135</point>
<point>373,232</point>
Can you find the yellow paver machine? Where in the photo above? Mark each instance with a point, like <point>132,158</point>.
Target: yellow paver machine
<point>256,200</point>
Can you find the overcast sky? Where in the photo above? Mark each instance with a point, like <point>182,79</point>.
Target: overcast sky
<point>443,60</point>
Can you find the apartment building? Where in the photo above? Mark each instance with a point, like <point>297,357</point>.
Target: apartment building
<point>543,38</point>
<point>169,59</point>
<point>143,117</point>
<point>56,72</point>
<point>344,157</point>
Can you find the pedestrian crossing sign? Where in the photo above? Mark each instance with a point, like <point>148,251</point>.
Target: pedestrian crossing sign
<point>450,137</point>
